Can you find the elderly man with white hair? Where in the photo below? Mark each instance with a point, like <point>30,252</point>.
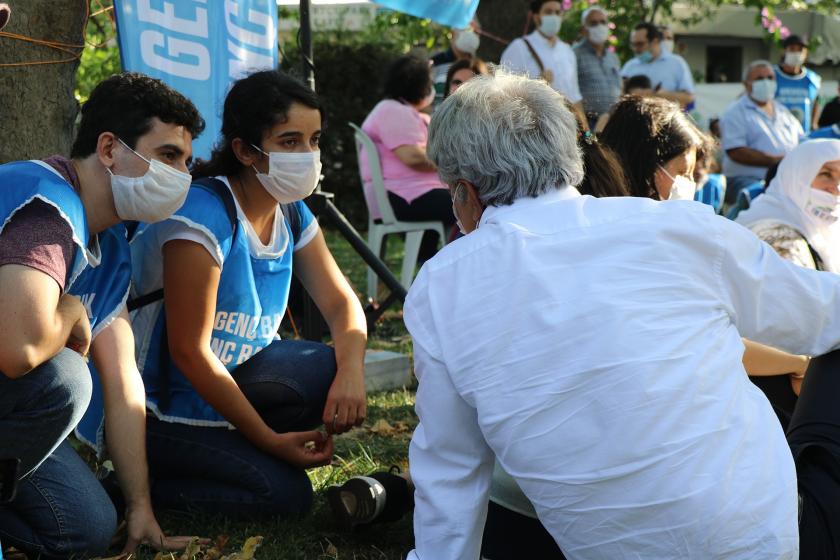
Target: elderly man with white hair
<point>756,131</point>
<point>560,336</point>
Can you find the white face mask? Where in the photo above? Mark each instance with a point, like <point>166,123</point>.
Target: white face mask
<point>682,188</point>
<point>794,58</point>
<point>154,196</point>
<point>667,46</point>
<point>291,176</point>
<point>467,41</point>
<point>763,90</point>
<point>599,34</point>
<point>550,25</point>
<point>824,206</point>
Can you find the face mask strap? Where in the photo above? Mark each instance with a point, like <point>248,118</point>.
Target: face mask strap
<point>133,151</point>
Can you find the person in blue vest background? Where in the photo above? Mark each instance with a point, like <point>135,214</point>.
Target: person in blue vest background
<point>797,87</point>
<point>64,274</point>
<point>209,352</point>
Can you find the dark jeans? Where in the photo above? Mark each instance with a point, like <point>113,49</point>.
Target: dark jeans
<point>435,205</point>
<point>60,509</point>
<point>215,469</point>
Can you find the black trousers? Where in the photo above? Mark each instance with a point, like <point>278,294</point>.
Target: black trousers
<point>435,205</point>
<point>509,535</point>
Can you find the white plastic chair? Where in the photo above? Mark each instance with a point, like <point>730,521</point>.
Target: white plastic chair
<point>389,224</point>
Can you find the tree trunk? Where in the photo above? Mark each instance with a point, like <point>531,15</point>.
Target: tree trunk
<point>37,106</point>
<point>505,19</point>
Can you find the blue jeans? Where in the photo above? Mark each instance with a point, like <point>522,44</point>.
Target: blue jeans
<point>60,509</point>
<point>218,470</point>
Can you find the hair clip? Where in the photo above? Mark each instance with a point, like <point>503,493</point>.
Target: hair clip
<point>588,137</point>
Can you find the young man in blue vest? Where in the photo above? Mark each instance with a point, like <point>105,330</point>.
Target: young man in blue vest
<point>64,273</point>
<point>797,87</point>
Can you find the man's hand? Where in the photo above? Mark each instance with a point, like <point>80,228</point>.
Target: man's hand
<point>304,449</point>
<point>80,334</point>
<point>143,528</point>
<point>346,403</point>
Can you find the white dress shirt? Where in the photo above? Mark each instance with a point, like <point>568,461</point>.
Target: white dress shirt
<point>594,347</point>
<point>560,59</point>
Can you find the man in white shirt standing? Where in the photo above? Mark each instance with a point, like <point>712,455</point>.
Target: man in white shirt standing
<point>593,347</point>
<point>669,74</point>
<point>542,54</point>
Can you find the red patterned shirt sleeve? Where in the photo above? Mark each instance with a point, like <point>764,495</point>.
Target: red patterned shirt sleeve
<point>38,237</point>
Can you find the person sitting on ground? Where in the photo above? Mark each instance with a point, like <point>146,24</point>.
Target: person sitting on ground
<point>601,403</point>
<point>461,72</point>
<point>756,130</point>
<point>64,276</point>
<point>210,354</point>
<point>399,131</point>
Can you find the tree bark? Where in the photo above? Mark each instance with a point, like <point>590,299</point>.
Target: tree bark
<point>37,106</point>
<point>504,18</point>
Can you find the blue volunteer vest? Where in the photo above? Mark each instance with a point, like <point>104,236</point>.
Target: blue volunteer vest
<point>103,289</point>
<point>250,302</point>
<point>798,94</point>
<point>24,181</point>
<point>102,286</point>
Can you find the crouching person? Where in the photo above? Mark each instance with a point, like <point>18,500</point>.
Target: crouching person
<point>64,274</point>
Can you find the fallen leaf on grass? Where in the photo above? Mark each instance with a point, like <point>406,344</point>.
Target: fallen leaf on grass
<point>248,550</point>
<point>382,428</point>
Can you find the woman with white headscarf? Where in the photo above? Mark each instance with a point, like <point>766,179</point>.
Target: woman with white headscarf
<point>798,214</point>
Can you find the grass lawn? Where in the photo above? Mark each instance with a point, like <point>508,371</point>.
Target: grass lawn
<point>375,446</point>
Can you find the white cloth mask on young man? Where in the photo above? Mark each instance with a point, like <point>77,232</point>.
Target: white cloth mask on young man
<point>467,41</point>
<point>682,187</point>
<point>291,176</point>
<point>599,34</point>
<point>667,46</point>
<point>152,197</point>
<point>550,25</point>
<point>794,59</point>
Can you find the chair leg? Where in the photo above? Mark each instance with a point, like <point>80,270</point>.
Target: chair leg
<point>375,244</point>
<point>412,251</point>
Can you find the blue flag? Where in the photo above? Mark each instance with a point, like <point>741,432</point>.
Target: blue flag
<point>198,47</point>
<point>453,13</point>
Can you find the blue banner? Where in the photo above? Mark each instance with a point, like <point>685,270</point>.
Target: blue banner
<point>199,47</point>
<point>453,13</point>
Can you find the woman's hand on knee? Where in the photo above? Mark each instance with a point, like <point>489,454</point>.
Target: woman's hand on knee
<point>304,449</point>
<point>346,404</point>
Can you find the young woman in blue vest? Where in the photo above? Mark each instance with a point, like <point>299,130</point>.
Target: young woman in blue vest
<point>209,352</point>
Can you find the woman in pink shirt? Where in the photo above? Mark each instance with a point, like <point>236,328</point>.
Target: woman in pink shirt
<point>399,130</point>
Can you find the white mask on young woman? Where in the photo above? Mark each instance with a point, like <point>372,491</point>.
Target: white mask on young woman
<point>291,176</point>
<point>682,188</point>
<point>152,197</point>
<point>467,41</point>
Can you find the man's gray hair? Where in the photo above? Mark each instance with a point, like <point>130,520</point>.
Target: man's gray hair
<point>510,136</point>
<point>589,10</point>
<point>755,64</point>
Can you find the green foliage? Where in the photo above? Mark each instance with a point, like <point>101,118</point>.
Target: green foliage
<point>101,56</point>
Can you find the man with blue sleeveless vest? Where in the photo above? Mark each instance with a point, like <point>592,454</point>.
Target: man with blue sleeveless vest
<point>797,87</point>
<point>64,274</point>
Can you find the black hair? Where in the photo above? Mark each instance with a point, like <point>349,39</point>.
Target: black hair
<point>653,32</point>
<point>476,65</point>
<point>409,79</point>
<point>637,82</point>
<point>125,105</point>
<point>253,106</point>
<point>646,132</point>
